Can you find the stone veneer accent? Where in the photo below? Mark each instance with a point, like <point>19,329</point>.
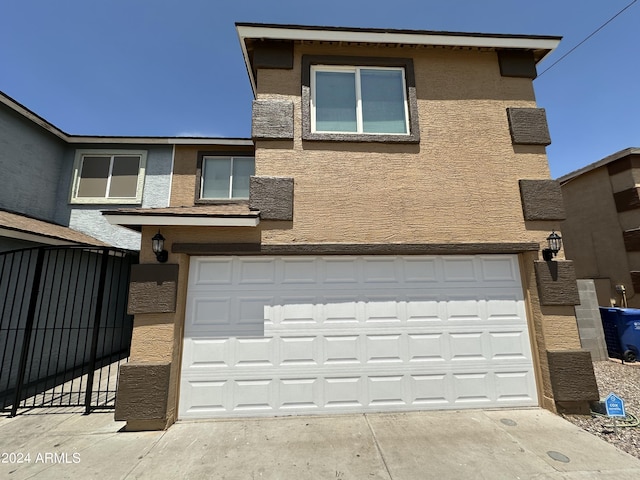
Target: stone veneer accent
<point>572,376</point>
<point>528,126</point>
<point>143,390</point>
<point>272,119</point>
<point>557,282</point>
<point>542,200</point>
<point>153,288</point>
<point>273,196</point>
<point>517,63</point>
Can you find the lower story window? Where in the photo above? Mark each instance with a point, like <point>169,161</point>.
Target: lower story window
<point>226,177</point>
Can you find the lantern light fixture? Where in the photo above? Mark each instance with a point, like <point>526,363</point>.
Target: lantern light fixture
<point>554,242</point>
<point>157,245</point>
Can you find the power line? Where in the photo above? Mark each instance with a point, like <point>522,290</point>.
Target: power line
<point>587,38</point>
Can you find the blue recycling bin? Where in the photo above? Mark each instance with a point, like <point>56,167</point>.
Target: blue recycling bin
<point>621,332</point>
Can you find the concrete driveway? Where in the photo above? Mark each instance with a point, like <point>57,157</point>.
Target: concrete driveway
<point>500,444</point>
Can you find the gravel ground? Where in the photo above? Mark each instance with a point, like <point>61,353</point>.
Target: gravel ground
<point>624,381</point>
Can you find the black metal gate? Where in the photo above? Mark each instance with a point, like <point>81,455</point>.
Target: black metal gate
<point>64,329</point>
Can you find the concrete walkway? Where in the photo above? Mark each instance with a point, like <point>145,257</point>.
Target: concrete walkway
<point>499,444</point>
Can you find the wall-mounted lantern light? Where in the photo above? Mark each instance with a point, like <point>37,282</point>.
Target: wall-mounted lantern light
<point>555,244</point>
<point>157,244</point>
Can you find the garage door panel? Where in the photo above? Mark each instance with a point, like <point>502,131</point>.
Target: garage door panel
<point>511,387</point>
<point>295,335</point>
<point>375,347</point>
<point>459,269</point>
<point>472,388</point>
<point>496,268</point>
<point>377,391</point>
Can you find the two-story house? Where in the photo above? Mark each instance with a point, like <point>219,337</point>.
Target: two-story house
<point>378,249</point>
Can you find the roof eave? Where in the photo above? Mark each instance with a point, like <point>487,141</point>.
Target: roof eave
<point>543,44</point>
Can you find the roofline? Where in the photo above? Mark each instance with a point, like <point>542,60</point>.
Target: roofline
<point>544,43</point>
<point>153,140</point>
<point>31,115</point>
<point>393,31</point>
<point>21,234</point>
<point>600,163</point>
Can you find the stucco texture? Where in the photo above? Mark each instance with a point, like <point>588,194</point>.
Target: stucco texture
<point>460,184</point>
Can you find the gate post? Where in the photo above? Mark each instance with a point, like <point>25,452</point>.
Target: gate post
<point>96,331</point>
<point>28,329</point>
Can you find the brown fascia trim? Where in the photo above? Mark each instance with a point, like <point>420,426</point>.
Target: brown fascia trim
<point>397,31</point>
<point>353,248</point>
<point>600,163</point>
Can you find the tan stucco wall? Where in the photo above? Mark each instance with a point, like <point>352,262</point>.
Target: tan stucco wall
<point>592,232</point>
<point>459,184</point>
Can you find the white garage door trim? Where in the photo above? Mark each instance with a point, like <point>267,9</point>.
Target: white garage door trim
<point>269,336</point>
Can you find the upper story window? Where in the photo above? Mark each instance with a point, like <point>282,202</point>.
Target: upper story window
<point>225,177</point>
<point>101,176</point>
<point>359,99</point>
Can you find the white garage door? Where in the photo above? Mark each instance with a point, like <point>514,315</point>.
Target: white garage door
<point>338,334</point>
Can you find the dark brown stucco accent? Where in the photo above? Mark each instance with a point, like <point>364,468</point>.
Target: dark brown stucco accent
<point>517,63</point>
<point>412,99</point>
<point>273,54</point>
<point>542,200</point>
<point>272,119</point>
<point>557,283</point>
<point>627,199</point>
<point>153,288</point>
<point>572,377</point>
<point>632,240</point>
<point>635,280</point>
<point>353,249</point>
<point>273,196</point>
<point>624,164</point>
<point>528,126</point>
<point>143,390</point>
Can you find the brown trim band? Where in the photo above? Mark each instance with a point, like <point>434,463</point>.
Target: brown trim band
<point>353,249</point>
<point>627,199</point>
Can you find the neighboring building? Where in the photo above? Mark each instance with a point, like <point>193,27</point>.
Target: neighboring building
<point>57,184</point>
<point>602,229</point>
<point>378,249</point>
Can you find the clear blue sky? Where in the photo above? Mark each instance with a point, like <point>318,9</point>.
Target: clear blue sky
<point>174,67</point>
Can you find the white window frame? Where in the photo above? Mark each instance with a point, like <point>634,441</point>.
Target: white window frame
<point>359,120</point>
<point>230,189</point>
<point>77,168</point>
